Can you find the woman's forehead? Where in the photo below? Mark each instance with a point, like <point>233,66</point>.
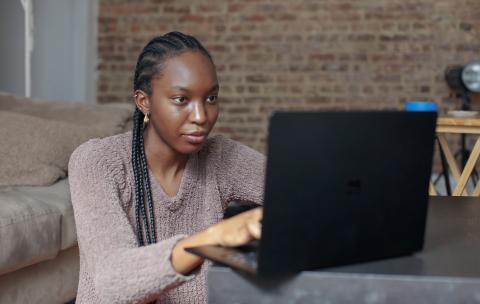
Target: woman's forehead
<point>186,70</point>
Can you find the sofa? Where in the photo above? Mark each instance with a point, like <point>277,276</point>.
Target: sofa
<point>39,259</point>
<point>38,255</point>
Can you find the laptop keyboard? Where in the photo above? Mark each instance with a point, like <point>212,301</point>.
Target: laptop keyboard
<point>244,258</point>
<point>246,255</point>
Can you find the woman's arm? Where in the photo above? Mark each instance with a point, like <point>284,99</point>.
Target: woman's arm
<point>240,171</point>
<point>235,231</point>
<point>240,176</point>
<point>120,270</point>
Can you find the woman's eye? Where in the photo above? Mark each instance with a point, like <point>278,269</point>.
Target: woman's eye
<point>179,99</point>
<point>212,98</point>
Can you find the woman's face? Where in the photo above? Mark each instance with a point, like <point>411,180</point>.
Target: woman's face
<point>183,105</point>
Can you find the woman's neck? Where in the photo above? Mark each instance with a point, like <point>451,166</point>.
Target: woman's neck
<point>162,159</point>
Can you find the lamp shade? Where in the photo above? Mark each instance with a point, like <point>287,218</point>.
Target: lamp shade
<point>471,76</point>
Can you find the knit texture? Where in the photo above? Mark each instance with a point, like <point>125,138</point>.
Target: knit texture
<point>113,269</point>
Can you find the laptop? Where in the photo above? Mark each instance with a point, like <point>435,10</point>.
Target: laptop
<point>341,188</point>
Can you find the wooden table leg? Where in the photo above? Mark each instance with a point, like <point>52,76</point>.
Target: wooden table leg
<point>450,160</point>
<point>476,192</point>
<point>467,171</point>
<point>432,190</point>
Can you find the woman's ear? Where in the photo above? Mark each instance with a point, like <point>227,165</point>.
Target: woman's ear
<point>142,101</point>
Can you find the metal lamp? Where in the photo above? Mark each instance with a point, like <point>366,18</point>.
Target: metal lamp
<point>471,76</point>
<point>464,80</point>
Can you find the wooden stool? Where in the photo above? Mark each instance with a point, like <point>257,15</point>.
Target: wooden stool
<point>457,125</point>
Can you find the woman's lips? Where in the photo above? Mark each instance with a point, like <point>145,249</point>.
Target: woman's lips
<point>194,139</point>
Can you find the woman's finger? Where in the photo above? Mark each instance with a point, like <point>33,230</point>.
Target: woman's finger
<point>257,213</point>
<point>254,228</point>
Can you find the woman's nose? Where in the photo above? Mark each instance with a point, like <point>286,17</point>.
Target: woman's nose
<point>198,114</point>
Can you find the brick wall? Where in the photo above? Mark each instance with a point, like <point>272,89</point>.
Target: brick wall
<point>299,54</point>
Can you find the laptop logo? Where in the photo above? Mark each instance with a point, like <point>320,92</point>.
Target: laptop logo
<point>354,186</point>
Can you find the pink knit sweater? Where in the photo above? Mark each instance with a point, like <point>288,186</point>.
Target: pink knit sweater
<point>113,269</point>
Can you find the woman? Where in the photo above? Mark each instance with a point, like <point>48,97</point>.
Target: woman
<point>141,197</point>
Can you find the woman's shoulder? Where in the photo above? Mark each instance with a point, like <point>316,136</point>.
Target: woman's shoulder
<point>226,148</point>
<point>102,153</point>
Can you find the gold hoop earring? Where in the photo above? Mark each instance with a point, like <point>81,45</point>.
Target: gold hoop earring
<point>146,119</point>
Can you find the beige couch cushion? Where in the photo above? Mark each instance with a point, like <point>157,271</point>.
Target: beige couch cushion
<point>112,116</point>
<point>38,136</point>
<point>57,196</point>
<point>29,231</point>
<point>35,151</point>
<point>48,282</point>
<point>35,224</point>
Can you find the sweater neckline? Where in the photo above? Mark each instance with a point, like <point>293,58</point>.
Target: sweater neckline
<point>174,202</point>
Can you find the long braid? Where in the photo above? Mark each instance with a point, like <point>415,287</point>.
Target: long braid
<point>143,160</point>
<point>149,64</point>
<point>137,121</point>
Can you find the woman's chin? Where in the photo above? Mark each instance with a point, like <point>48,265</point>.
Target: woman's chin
<point>191,148</point>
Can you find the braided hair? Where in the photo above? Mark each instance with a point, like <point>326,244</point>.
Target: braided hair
<point>150,64</point>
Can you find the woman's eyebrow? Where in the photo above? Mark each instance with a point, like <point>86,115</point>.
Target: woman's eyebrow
<point>180,88</point>
<point>216,87</point>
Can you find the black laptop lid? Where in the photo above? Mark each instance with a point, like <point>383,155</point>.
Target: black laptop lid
<point>347,187</point>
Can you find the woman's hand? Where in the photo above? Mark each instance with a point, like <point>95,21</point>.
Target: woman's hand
<point>235,231</point>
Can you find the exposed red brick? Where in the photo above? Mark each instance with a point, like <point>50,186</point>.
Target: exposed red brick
<point>192,18</point>
<point>210,8</point>
<point>322,57</point>
<point>258,78</point>
<point>176,9</point>
<point>236,7</point>
<point>299,54</point>
<point>255,18</point>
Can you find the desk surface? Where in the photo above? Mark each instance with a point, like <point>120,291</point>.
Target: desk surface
<point>452,243</point>
<point>458,121</point>
<point>446,271</point>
